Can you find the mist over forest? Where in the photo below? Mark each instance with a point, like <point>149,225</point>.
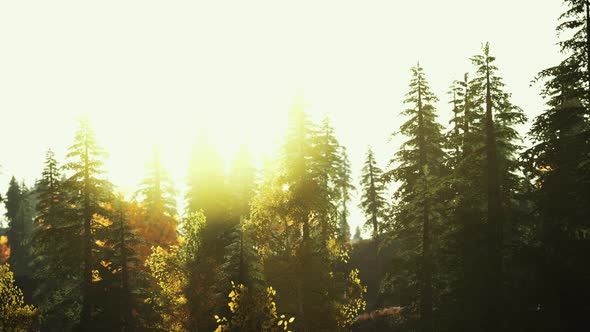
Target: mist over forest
<point>478,220</point>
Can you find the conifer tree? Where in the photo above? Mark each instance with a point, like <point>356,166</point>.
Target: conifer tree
<point>294,219</point>
<point>57,250</point>
<point>90,190</point>
<point>125,261</point>
<point>242,180</point>
<point>374,205</point>
<point>500,146</point>
<point>156,190</point>
<point>419,168</point>
<point>326,163</point>
<point>373,201</point>
<point>454,136</point>
<point>345,188</point>
<point>208,194</point>
<point>241,264</point>
<point>557,164</point>
<point>20,222</point>
<point>156,195</point>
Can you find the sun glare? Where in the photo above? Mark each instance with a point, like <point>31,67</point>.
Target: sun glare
<point>174,132</point>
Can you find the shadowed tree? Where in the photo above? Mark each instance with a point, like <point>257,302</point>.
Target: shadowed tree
<point>373,201</point>
<point>419,167</point>
<point>559,167</point>
<point>500,165</point>
<point>90,190</point>
<point>345,188</point>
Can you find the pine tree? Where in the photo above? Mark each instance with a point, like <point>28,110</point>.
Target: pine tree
<point>124,265</point>
<point>294,220</point>
<point>325,164</point>
<point>57,250</point>
<point>156,190</point>
<point>345,188</point>
<point>90,191</point>
<point>242,180</point>
<point>208,193</point>
<point>459,99</point>
<point>12,200</point>
<point>557,163</point>
<point>302,191</point>
<point>17,213</point>
<point>241,264</point>
<point>374,206</point>
<point>499,145</point>
<point>373,201</point>
<point>158,223</point>
<point>419,170</point>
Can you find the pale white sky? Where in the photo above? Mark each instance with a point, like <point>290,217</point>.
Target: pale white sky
<point>157,71</point>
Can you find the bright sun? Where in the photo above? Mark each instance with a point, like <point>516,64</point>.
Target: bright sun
<point>131,141</point>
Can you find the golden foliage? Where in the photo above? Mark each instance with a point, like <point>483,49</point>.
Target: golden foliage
<point>14,314</point>
<point>4,249</point>
<point>252,312</point>
<point>169,300</point>
<point>353,300</point>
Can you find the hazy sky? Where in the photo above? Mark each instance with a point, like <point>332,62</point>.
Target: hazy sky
<point>157,71</point>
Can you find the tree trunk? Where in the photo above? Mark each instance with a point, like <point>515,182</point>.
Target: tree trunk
<point>426,314</point>
<point>86,237</point>
<point>494,213</point>
<point>126,293</point>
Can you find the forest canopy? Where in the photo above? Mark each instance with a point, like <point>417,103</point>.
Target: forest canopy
<point>472,224</point>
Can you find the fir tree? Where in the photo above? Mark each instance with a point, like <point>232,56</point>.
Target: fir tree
<point>419,168</point>
<point>19,215</point>
<point>158,223</point>
<point>557,163</point>
<point>373,201</point>
<point>57,250</point>
<point>345,188</point>
<point>157,191</point>
<point>242,180</point>
<point>499,145</point>
<point>90,191</point>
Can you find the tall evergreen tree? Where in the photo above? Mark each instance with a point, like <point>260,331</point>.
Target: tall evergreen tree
<point>20,223</point>
<point>373,201</point>
<point>345,188</point>
<point>16,229</point>
<point>325,164</point>
<point>57,250</point>
<point>558,163</point>
<point>158,224</point>
<point>374,205</point>
<point>208,193</point>
<point>419,170</point>
<point>124,261</point>
<point>90,191</point>
<point>242,180</point>
<point>157,191</point>
<point>12,200</point>
<point>500,147</point>
<point>294,219</point>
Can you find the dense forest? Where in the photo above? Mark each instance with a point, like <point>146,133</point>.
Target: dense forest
<point>474,226</point>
